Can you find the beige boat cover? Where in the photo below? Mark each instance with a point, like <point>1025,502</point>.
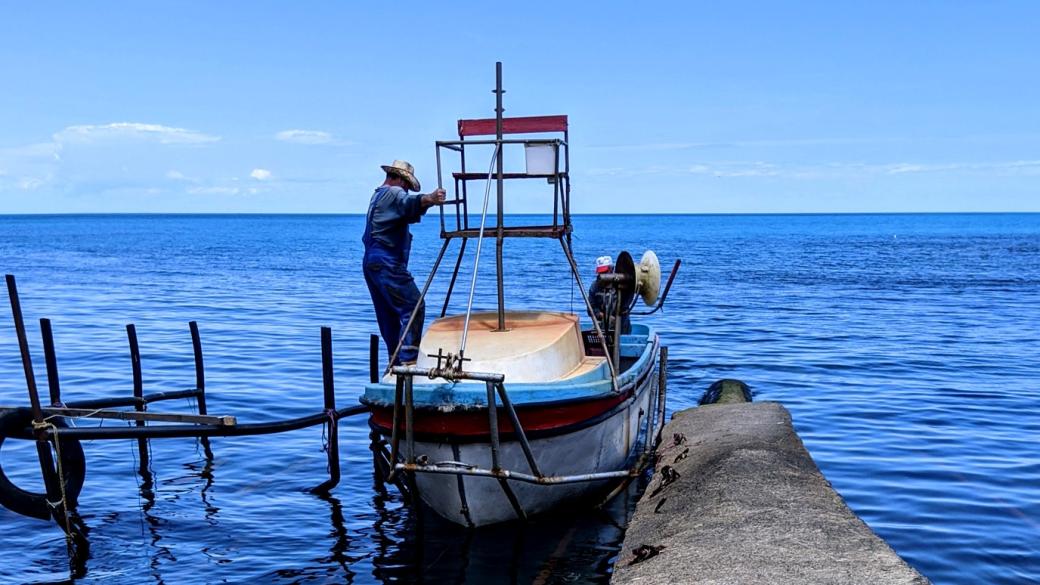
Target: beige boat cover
<point>538,346</point>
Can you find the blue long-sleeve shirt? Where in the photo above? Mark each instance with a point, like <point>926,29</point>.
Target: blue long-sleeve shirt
<point>390,211</point>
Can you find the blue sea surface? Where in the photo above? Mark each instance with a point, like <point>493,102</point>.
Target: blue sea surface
<point>907,348</point>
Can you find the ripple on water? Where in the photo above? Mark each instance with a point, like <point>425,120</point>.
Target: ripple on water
<point>904,346</point>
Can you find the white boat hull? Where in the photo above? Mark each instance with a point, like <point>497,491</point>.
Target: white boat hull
<point>611,444</point>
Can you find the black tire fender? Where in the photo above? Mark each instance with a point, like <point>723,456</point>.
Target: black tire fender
<point>13,424</point>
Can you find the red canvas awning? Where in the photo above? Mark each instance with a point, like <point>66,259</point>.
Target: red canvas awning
<point>524,125</point>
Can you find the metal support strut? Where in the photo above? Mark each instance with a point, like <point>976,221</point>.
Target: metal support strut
<point>495,391</point>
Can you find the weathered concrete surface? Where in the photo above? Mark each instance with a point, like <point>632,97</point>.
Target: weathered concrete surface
<point>748,506</point>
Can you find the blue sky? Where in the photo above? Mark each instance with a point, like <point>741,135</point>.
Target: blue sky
<point>694,107</point>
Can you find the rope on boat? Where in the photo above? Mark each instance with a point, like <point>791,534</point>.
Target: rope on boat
<point>476,260</point>
<point>87,415</point>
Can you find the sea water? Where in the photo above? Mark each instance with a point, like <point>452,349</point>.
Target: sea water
<point>907,348</point>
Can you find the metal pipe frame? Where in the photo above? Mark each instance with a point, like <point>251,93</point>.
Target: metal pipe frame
<point>651,419</point>
<point>662,391</point>
<point>476,259</point>
<point>138,416</point>
<point>465,195</point>
<point>489,142</point>
<point>461,484</point>
<point>494,383</point>
<point>664,294</point>
<point>640,465</point>
<point>133,401</point>
<point>505,474</point>
<point>440,185</point>
<point>500,186</point>
<point>180,431</point>
<point>588,306</point>
<point>492,408</point>
<point>654,424</point>
<point>448,374</point>
<point>518,429</point>
<point>454,277</point>
<point>556,185</point>
<point>384,469</point>
<point>395,435</point>
<point>409,420</point>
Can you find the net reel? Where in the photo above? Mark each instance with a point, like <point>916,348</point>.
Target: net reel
<point>614,295</point>
<point>633,280</point>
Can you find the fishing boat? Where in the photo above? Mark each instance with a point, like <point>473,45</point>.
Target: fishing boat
<point>511,413</point>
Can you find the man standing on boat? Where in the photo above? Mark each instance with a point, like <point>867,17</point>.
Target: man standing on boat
<point>387,245</point>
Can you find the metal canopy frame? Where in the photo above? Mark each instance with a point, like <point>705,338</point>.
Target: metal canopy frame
<point>450,366</point>
<point>560,229</point>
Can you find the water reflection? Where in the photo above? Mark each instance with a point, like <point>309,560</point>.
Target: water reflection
<point>564,547</point>
<point>146,489</point>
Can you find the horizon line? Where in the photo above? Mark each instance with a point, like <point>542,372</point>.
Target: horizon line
<point>664,213</point>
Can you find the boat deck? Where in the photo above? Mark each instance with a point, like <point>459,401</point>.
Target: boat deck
<point>537,346</point>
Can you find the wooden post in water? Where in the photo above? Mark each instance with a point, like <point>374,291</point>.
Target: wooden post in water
<point>329,389</point>
<point>52,479</point>
<point>373,358</point>
<point>51,360</point>
<point>200,380</point>
<point>139,404</point>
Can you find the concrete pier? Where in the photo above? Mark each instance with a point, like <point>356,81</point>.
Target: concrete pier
<point>736,498</point>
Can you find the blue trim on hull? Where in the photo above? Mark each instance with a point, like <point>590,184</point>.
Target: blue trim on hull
<point>448,396</point>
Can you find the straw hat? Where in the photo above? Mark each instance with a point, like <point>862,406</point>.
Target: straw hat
<point>404,170</point>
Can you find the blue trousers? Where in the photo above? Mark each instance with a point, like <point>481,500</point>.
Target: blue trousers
<point>394,296</point>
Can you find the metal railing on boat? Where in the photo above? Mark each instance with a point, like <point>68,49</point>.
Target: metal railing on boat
<point>448,368</point>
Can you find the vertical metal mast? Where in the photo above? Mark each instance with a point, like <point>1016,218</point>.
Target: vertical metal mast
<point>499,236</point>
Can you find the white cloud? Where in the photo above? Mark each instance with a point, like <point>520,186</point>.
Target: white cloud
<point>91,133</point>
<point>904,168</point>
<point>656,146</point>
<point>741,169</point>
<point>1017,164</point>
<point>214,190</point>
<point>781,142</point>
<point>176,176</point>
<point>33,151</point>
<point>749,169</point>
<point>30,183</point>
<point>305,137</point>
<point>260,174</point>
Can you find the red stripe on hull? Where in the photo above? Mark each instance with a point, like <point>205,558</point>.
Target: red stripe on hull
<point>474,423</point>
